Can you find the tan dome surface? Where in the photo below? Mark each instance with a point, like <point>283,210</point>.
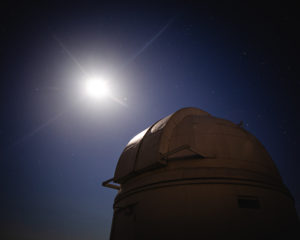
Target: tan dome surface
<point>192,133</point>
<point>191,175</point>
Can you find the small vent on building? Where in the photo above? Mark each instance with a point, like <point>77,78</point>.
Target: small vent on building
<point>248,202</point>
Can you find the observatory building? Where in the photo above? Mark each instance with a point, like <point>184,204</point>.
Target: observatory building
<point>194,176</point>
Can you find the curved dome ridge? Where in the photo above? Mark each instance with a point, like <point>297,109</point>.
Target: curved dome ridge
<point>193,132</point>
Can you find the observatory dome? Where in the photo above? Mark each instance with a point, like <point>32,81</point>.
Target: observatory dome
<point>191,133</point>
<point>195,176</point>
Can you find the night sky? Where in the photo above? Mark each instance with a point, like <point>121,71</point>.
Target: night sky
<point>238,61</point>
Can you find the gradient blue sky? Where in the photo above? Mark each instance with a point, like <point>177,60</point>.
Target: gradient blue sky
<point>237,61</point>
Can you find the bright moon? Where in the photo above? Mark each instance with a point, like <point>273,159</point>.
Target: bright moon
<point>97,88</point>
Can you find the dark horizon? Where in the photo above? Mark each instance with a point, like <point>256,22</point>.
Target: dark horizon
<point>237,61</point>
